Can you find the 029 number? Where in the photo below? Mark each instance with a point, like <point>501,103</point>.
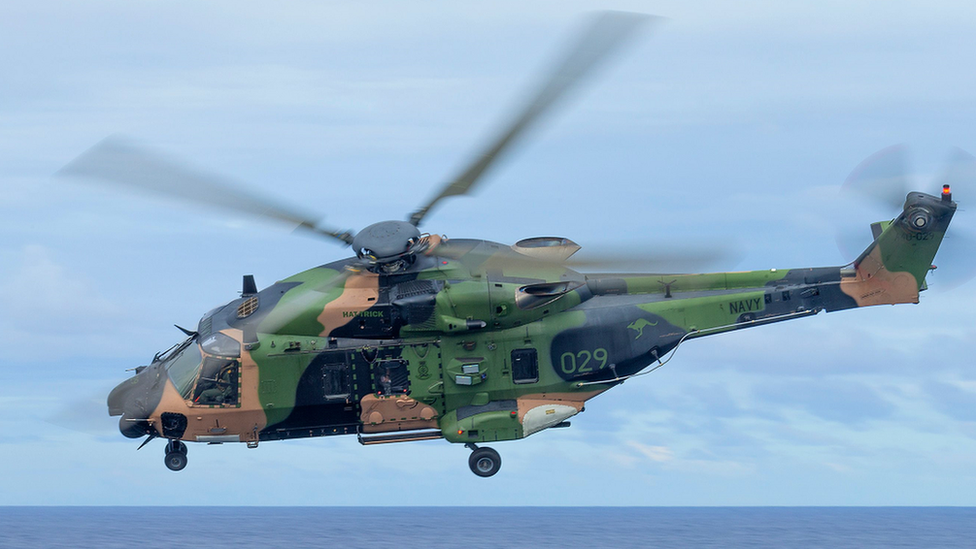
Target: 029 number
<point>582,362</point>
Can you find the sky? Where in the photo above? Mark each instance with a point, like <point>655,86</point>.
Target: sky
<point>723,126</point>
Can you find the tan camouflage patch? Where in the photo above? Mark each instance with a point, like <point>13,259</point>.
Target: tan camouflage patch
<point>875,285</point>
<point>171,401</point>
<point>360,292</point>
<point>395,413</point>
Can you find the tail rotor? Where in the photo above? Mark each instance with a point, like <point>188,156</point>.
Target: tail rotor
<point>882,182</point>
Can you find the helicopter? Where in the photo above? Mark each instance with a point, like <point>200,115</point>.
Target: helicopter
<point>421,337</point>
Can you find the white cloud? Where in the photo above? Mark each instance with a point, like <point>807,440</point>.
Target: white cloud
<point>40,294</point>
<point>659,454</point>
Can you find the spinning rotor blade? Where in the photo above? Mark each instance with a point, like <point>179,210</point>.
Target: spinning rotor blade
<point>606,33</point>
<point>875,188</point>
<point>652,259</point>
<point>660,261</point>
<point>882,177</point>
<point>118,162</point>
<point>960,171</point>
<point>956,259</point>
<point>84,414</point>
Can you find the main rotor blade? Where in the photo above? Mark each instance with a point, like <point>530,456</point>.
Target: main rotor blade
<point>85,413</point>
<point>606,32</point>
<point>656,258</point>
<point>117,161</point>
<point>661,260</point>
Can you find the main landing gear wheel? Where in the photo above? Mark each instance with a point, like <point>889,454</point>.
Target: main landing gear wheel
<point>484,462</point>
<point>175,455</point>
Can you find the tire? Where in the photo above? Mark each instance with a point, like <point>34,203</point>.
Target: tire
<point>484,462</point>
<point>176,461</point>
<point>175,445</point>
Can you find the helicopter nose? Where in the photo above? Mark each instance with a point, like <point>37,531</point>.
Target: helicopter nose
<point>135,399</point>
<point>119,396</point>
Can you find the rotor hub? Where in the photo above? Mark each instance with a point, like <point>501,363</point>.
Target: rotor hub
<point>386,242</point>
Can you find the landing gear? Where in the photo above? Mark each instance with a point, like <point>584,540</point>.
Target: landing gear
<point>483,462</point>
<point>175,455</point>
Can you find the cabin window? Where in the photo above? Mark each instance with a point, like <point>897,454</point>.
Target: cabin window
<point>525,366</point>
<point>335,381</point>
<point>391,377</point>
<point>326,379</point>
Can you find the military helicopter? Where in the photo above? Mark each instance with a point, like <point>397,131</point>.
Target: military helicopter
<point>421,337</point>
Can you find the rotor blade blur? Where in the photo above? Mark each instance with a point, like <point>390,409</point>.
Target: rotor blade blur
<point>610,260</point>
<point>605,33</point>
<point>882,178</point>
<point>956,259</point>
<point>660,261</point>
<point>875,189</point>
<point>960,173</point>
<point>87,414</point>
<point>116,161</point>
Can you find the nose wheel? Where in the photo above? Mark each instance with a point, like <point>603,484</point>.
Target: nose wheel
<point>175,455</point>
<point>483,462</point>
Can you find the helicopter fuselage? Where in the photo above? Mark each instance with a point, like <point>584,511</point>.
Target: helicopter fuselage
<point>476,342</point>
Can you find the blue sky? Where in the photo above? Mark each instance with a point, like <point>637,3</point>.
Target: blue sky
<point>734,126</point>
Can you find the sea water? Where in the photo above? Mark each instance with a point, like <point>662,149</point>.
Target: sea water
<point>486,527</point>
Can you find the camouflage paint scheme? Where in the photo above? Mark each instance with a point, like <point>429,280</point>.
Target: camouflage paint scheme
<point>476,341</point>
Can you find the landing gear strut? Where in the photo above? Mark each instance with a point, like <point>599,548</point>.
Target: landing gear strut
<point>175,455</point>
<point>483,462</point>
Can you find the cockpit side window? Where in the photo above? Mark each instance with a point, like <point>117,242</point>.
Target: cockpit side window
<point>205,381</point>
<point>218,382</point>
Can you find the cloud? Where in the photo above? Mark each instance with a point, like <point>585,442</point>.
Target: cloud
<point>39,293</point>
<point>659,454</point>
<point>840,400</point>
<point>688,462</point>
<point>50,312</point>
<point>955,400</point>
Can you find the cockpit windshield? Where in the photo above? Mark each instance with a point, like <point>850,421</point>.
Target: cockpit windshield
<point>184,365</point>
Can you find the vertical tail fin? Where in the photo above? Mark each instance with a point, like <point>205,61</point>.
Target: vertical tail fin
<point>893,268</point>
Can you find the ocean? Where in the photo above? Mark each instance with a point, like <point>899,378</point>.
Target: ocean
<point>486,527</point>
